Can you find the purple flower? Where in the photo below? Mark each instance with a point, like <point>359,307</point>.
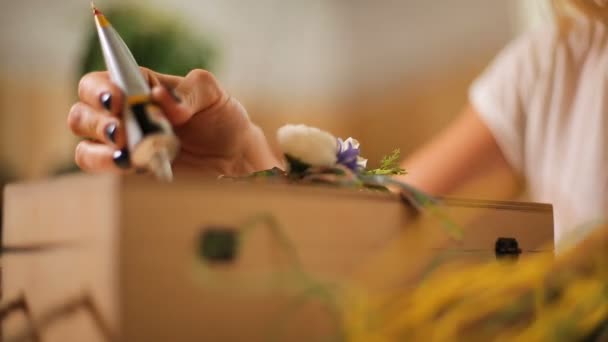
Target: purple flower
<point>348,154</point>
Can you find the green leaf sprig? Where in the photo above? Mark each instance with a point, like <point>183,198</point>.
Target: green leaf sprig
<point>389,165</point>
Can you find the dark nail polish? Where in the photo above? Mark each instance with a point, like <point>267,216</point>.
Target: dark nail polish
<point>110,132</point>
<point>175,96</point>
<point>121,158</point>
<point>106,100</point>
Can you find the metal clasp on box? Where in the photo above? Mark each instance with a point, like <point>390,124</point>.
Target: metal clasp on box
<point>507,248</point>
<point>218,244</point>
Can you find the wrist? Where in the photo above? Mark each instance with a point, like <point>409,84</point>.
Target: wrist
<point>252,153</point>
<point>258,155</point>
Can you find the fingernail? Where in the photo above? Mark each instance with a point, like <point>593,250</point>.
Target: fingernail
<point>175,96</point>
<point>106,100</point>
<point>121,158</point>
<point>110,132</point>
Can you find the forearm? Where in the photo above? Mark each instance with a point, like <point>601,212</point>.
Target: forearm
<point>464,152</point>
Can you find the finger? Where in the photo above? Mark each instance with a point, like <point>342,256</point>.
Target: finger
<point>97,90</point>
<point>156,79</point>
<point>95,157</point>
<point>175,111</point>
<point>200,91</point>
<point>97,124</point>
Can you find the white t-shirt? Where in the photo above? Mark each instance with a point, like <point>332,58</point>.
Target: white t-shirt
<point>545,99</point>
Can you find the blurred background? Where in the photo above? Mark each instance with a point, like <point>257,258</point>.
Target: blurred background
<point>389,72</point>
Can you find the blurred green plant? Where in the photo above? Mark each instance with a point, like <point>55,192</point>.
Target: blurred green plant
<point>159,41</point>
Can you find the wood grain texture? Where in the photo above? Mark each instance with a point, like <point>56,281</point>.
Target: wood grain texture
<point>135,249</point>
<point>80,211</point>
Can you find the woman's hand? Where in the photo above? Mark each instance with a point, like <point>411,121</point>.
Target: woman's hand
<point>215,132</point>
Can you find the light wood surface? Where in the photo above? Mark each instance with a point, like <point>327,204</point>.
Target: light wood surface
<point>79,213</point>
<point>133,249</point>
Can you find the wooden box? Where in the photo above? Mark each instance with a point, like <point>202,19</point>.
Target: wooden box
<point>203,260</point>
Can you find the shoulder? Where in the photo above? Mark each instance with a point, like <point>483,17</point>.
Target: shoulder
<point>499,95</point>
<point>537,51</point>
<point>539,54</point>
<point>536,39</point>
<point>518,66</point>
<point>530,54</point>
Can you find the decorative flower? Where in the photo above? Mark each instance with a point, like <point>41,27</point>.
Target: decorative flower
<point>348,154</point>
<point>307,145</point>
<point>315,156</point>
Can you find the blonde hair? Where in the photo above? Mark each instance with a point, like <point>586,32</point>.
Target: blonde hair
<point>567,10</point>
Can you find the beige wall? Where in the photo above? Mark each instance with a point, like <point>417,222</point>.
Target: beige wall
<point>388,72</point>
<point>34,138</point>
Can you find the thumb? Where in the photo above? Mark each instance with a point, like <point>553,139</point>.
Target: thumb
<point>164,95</point>
<point>201,91</point>
<point>175,110</point>
<point>198,92</point>
<point>156,79</point>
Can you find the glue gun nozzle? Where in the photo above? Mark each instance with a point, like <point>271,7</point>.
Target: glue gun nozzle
<point>95,10</point>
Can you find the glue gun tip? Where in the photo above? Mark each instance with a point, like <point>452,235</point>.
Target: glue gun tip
<point>95,10</point>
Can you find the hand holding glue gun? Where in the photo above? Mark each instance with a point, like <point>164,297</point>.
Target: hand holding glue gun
<point>126,131</point>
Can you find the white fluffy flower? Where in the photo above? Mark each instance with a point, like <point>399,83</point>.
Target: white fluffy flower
<point>309,145</point>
